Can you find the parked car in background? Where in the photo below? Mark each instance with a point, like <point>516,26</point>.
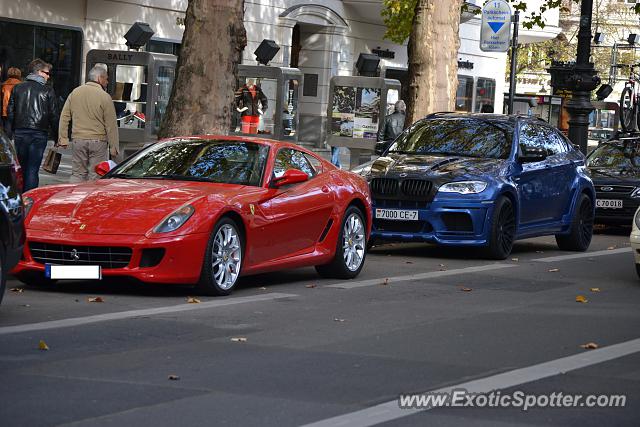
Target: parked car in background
<point>204,211</point>
<point>11,210</point>
<point>481,180</point>
<point>635,239</point>
<point>615,170</point>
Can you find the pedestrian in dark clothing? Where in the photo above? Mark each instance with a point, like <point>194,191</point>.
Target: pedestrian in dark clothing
<point>33,110</point>
<point>393,124</point>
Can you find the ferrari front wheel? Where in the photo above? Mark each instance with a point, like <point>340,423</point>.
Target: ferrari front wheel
<point>223,259</point>
<point>350,249</point>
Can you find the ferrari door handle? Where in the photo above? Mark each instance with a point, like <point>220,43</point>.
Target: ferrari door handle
<point>325,189</point>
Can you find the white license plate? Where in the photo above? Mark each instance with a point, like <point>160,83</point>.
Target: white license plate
<point>609,203</point>
<point>77,272</point>
<point>397,214</point>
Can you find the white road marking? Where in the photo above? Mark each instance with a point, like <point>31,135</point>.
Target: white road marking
<point>389,411</point>
<point>583,255</point>
<point>419,276</point>
<point>76,321</point>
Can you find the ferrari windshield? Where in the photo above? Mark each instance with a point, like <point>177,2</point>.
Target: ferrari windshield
<point>231,162</point>
<point>457,136</point>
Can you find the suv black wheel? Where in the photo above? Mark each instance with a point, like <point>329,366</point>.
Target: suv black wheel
<point>503,229</point>
<point>579,237</point>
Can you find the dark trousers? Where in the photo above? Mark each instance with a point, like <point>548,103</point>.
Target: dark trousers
<point>30,145</point>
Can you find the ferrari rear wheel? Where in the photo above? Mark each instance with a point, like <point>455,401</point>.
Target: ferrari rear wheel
<point>223,259</point>
<point>351,248</point>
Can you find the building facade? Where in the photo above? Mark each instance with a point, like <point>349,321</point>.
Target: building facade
<point>321,38</point>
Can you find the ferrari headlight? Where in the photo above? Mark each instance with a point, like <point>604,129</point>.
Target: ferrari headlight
<point>28,204</point>
<point>636,193</point>
<point>636,219</point>
<point>175,220</point>
<point>463,187</point>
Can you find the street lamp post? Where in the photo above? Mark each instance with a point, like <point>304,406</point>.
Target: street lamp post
<point>580,78</point>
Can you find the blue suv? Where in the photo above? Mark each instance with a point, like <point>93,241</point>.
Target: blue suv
<point>481,180</point>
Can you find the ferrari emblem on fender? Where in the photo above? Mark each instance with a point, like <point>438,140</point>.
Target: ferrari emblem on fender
<point>83,226</point>
<point>252,208</point>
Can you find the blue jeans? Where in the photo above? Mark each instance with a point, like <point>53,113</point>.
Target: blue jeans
<point>30,145</point>
<point>335,156</point>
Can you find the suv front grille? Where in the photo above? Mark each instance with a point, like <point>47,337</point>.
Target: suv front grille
<point>393,188</point>
<point>104,256</point>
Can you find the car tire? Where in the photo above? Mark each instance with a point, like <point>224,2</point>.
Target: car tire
<point>3,272</point>
<point>503,229</point>
<point>222,260</point>
<point>579,237</point>
<point>351,247</point>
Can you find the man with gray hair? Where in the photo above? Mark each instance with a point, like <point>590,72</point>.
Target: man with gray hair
<point>94,133</point>
<point>393,124</point>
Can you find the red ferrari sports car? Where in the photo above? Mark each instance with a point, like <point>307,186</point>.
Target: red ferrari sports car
<point>203,210</point>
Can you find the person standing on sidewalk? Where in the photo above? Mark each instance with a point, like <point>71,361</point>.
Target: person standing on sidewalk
<point>94,133</point>
<point>13,78</point>
<point>32,111</point>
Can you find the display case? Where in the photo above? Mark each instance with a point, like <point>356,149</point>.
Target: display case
<point>603,121</point>
<point>266,102</point>
<point>356,110</point>
<point>140,85</point>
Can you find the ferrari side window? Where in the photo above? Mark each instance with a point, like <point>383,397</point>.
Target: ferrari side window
<point>292,159</point>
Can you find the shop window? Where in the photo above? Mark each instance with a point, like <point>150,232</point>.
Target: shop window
<point>255,102</point>
<point>464,94</point>
<point>62,47</point>
<point>129,94</point>
<point>485,95</point>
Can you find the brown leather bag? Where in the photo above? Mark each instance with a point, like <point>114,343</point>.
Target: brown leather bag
<point>52,161</point>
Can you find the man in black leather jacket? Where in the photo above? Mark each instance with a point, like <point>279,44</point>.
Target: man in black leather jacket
<point>33,110</point>
<point>393,124</point>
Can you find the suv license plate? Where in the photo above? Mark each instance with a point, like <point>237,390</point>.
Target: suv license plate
<point>609,203</point>
<point>397,214</point>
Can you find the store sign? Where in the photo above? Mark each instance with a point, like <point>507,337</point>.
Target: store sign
<point>467,65</point>
<point>355,112</point>
<point>389,54</point>
<point>119,56</point>
<point>495,30</point>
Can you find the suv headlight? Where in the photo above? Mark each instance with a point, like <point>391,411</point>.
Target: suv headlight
<point>463,187</point>
<point>175,220</point>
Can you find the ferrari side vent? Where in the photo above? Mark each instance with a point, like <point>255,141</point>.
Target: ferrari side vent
<point>325,231</point>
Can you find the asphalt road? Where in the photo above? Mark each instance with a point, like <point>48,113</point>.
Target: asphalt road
<point>292,349</point>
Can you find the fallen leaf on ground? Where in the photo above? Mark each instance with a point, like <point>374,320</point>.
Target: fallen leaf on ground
<point>385,282</point>
<point>26,305</point>
<point>610,248</point>
<point>310,286</point>
<point>465,289</point>
<point>192,300</point>
<point>96,299</point>
<point>582,299</point>
<point>595,289</point>
<point>174,377</point>
<point>43,345</point>
<point>338,320</point>
<point>18,290</point>
<point>514,259</point>
<point>408,262</point>
<point>554,270</point>
<point>239,339</point>
<point>590,346</point>
<point>262,288</point>
<point>441,265</point>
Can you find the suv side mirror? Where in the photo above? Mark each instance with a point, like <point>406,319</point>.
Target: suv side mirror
<point>532,154</point>
<point>291,176</point>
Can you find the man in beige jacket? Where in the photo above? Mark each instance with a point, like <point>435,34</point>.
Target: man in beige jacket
<point>94,134</point>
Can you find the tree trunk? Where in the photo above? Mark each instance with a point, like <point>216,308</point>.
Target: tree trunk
<point>203,90</point>
<point>433,58</point>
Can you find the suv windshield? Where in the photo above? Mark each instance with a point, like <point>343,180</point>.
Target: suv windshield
<point>460,136</point>
<point>231,162</point>
<point>621,155</point>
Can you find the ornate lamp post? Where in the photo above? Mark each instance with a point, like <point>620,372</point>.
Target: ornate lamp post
<point>580,78</point>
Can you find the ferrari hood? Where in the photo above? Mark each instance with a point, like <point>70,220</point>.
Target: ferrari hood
<point>118,206</point>
<point>434,167</point>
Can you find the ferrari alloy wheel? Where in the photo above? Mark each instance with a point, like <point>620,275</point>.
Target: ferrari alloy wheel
<point>350,249</point>
<point>223,260</point>
<point>503,229</point>
<point>579,237</point>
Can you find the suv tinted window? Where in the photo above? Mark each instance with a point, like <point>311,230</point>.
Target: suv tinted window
<point>544,137</point>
